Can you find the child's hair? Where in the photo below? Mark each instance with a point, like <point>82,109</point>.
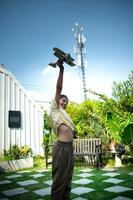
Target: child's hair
<point>63,95</point>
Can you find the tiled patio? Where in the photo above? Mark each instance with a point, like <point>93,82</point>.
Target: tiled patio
<point>82,184</point>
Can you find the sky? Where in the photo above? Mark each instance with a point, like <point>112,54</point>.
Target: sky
<point>29,30</point>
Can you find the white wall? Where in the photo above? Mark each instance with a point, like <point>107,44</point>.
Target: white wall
<point>14,97</point>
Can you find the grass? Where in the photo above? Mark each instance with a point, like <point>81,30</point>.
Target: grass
<point>99,193</point>
<point>39,163</point>
<point>97,184</point>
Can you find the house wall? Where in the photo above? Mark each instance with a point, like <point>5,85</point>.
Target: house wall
<point>14,97</point>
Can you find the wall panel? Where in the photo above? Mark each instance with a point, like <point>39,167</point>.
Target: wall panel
<point>14,97</point>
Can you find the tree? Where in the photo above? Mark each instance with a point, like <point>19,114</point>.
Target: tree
<point>47,129</point>
<point>127,137</point>
<point>86,118</point>
<point>123,93</point>
<point>119,111</point>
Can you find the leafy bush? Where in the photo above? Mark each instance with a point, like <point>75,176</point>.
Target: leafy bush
<point>16,152</point>
<point>127,138</point>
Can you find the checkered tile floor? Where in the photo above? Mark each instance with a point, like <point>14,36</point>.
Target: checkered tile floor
<point>37,185</point>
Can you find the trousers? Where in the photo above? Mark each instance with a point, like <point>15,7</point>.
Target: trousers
<point>62,170</point>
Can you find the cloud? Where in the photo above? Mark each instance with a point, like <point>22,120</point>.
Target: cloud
<point>72,84</point>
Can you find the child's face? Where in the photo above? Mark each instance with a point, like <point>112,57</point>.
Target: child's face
<point>63,102</point>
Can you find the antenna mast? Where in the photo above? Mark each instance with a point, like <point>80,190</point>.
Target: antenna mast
<point>80,51</point>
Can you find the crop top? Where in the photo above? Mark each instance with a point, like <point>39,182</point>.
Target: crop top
<point>59,116</point>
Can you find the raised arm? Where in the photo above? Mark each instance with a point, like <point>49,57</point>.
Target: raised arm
<point>59,83</point>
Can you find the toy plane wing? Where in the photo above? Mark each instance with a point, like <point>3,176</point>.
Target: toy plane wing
<point>64,56</point>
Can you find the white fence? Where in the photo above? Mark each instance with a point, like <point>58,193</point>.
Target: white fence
<point>14,98</point>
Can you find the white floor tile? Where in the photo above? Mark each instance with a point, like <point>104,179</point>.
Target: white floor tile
<point>5,182</point>
<point>48,182</point>
<point>109,169</point>
<point>43,192</point>
<point>37,175</point>
<point>111,174</point>
<point>21,172</point>
<point>4,199</point>
<point>86,170</point>
<point>113,180</point>
<point>131,173</point>
<point>15,191</point>
<point>79,198</point>
<point>28,182</point>
<point>117,189</point>
<point>121,198</point>
<point>81,190</point>
<point>40,199</point>
<point>85,175</point>
<point>82,181</point>
<point>43,170</point>
<point>14,176</point>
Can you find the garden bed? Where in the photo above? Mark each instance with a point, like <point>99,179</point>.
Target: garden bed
<point>14,165</point>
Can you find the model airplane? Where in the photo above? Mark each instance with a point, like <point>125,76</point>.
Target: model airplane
<point>61,55</point>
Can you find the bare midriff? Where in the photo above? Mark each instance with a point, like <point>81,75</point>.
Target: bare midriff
<point>65,134</point>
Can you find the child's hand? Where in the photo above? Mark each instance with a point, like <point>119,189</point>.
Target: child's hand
<point>60,64</point>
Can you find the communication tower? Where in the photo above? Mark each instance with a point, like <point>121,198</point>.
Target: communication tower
<point>80,51</point>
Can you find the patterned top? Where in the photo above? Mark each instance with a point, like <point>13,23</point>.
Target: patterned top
<point>59,116</point>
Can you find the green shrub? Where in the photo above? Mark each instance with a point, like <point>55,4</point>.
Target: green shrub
<point>16,152</point>
<point>127,138</point>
